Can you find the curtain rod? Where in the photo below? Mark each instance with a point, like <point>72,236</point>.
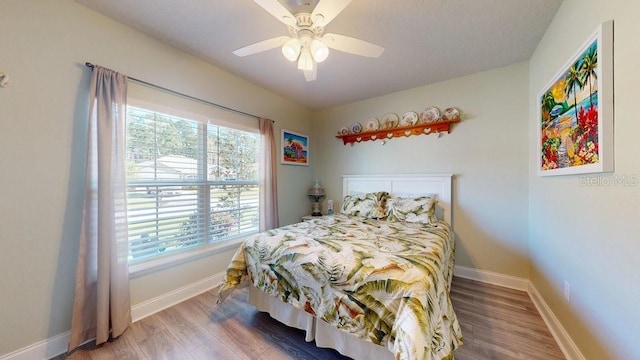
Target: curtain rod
<point>90,65</point>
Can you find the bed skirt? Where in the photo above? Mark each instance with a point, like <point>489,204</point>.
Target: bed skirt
<point>324,335</point>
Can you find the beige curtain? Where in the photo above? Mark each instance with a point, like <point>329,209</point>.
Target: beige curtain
<point>101,306</point>
<point>268,184</point>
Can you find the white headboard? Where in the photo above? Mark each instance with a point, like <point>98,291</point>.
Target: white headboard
<point>405,185</point>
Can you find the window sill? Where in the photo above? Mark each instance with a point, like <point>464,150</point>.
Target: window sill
<point>162,262</point>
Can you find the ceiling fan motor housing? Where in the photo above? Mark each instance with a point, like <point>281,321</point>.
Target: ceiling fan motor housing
<point>305,27</point>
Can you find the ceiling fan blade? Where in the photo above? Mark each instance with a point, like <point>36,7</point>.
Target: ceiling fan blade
<point>352,45</point>
<point>327,10</point>
<point>262,46</point>
<point>311,75</point>
<point>275,8</point>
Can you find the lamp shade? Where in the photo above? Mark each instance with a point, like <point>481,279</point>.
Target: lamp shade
<point>316,193</point>
<point>319,50</point>
<point>291,49</point>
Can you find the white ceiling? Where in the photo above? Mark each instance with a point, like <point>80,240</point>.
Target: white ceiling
<point>425,41</point>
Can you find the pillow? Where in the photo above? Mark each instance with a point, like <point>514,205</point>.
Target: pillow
<point>369,205</point>
<point>415,210</point>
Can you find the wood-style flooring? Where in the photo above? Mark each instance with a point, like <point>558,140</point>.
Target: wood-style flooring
<point>497,323</point>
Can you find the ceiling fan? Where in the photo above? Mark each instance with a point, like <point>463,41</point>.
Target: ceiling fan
<point>307,43</point>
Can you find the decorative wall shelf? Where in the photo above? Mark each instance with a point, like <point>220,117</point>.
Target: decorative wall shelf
<point>385,134</point>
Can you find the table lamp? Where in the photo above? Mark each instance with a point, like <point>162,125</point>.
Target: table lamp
<point>316,194</point>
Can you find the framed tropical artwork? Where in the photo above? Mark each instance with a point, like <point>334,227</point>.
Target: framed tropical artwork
<point>295,148</point>
<point>575,111</point>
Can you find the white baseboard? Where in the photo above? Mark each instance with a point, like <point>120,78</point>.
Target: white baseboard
<point>568,347</point>
<point>57,345</point>
<point>489,277</point>
<point>152,306</point>
<point>45,349</point>
<point>566,344</point>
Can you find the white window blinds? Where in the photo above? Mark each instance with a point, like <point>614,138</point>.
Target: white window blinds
<point>192,180</point>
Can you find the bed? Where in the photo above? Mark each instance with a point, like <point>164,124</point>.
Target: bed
<point>372,281</point>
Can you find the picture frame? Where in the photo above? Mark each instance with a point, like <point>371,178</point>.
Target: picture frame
<point>294,148</point>
<point>574,121</point>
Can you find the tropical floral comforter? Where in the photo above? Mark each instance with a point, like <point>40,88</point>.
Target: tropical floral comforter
<point>382,281</point>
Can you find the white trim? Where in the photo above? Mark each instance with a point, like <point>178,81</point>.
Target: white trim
<point>57,345</point>
<point>164,261</point>
<point>489,277</point>
<point>566,344</point>
<point>152,306</point>
<point>44,349</point>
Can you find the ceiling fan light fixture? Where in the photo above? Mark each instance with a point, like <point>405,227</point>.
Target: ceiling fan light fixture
<point>305,62</point>
<point>319,50</point>
<point>307,43</point>
<point>291,49</point>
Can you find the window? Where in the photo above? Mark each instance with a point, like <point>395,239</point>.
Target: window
<point>189,183</point>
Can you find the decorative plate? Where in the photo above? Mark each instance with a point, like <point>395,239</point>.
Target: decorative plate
<point>451,114</point>
<point>430,114</point>
<point>372,124</point>
<point>389,121</point>
<point>344,131</point>
<point>409,118</point>
<point>356,128</point>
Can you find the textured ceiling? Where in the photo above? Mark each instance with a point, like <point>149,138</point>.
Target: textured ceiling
<point>425,41</point>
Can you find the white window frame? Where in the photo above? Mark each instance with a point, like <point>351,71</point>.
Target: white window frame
<point>204,115</point>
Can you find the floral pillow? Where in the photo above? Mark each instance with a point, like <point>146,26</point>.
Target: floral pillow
<point>415,210</point>
<point>369,205</point>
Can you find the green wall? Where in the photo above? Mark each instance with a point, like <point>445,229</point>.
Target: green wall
<point>583,229</point>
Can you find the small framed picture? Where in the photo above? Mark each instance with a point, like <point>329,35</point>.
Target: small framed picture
<point>295,148</point>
